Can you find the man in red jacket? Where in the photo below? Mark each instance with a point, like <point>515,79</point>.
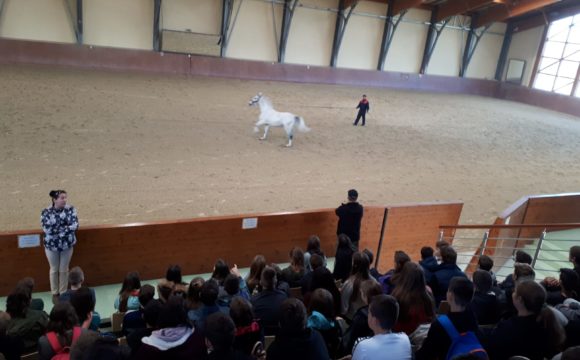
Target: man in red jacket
<point>363,108</point>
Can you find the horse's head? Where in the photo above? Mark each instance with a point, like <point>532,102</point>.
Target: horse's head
<point>255,100</point>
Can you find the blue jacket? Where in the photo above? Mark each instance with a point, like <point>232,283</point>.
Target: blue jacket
<point>429,266</point>
<point>441,279</point>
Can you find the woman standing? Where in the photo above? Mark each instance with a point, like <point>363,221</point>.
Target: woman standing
<point>59,223</point>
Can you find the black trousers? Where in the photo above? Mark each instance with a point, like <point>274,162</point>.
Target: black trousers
<point>360,114</point>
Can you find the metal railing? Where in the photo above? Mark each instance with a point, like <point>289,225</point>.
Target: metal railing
<point>543,249</point>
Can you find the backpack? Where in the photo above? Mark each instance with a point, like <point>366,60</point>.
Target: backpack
<point>464,343</point>
<point>60,352</point>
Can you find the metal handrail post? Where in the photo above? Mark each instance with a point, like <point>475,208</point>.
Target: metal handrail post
<point>538,248</point>
<point>484,243</point>
<point>441,235</point>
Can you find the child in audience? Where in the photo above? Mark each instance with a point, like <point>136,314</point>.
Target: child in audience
<point>447,270</point>
<point>128,298</point>
<point>343,258</point>
<point>359,327</point>
<point>133,319</point>
<point>385,344</point>
<point>389,280</point>
<point>295,340</point>
<point>193,301</point>
<point>294,273</point>
<point>313,247</point>
<point>234,286</point>
<point>10,347</point>
<point>459,295</point>
<point>84,304</point>
<point>316,261</point>
<point>428,262</point>
<point>220,334</point>
<point>322,279</point>
<point>27,284</point>
<point>25,323</point>
<point>248,330</point>
<point>221,270</point>
<point>253,279</point>
<point>438,246</point>
<point>350,296</point>
<point>208,296</point>
<point>165,289</point>
<point>267,302</point>
<point>534,332</point>
<point>485,304</point>
<point>485,263</point>
<point>151,319</point>
<point>374,272</point>
<point>173,274</point>
<point>521,257</point>
<point>321,317</point>
<point>63,324</point>
<point>415,300</point>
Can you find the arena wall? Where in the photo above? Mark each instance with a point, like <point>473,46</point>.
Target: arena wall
<point>180,15</point>
<point>126,24</point>
<point>46,20</point>
<point>525,47</point>
<point>406,50</point>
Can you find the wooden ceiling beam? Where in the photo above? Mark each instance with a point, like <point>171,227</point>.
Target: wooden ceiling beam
<point>402,5</point>
<point>512,9</point>
<point>458,7</point>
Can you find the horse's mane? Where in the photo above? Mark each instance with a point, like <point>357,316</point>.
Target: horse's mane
<point>267,101</point>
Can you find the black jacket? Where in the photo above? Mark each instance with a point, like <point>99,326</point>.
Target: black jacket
<point>441,279</point>
<point>342,263</point>
<point>309,345</point>
<point>429,266</point>
<point>364,107</point>
<point>486,308</point>
<point>267,308</point>
<point>437,343</point>
<point>358,329</point>
<point>349,219</point>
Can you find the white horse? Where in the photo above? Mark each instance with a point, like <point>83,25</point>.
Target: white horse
<point>270,117</point>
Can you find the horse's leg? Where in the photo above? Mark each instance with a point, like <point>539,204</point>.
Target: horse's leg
<point>266,128</point>
<point>289,134</point>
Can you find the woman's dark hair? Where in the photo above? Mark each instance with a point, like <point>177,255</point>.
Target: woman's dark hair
<point>359,273</point>
<point>533,297</point>
<point>241,311</point>
<point>194,292</point>
<point>370,288</point>
<point>220,271</point>
<point>83,302</point>
<point>17,303</point>
<point>323,302</point>
<point>570,282</point>
<point>401,258</point>
<point>313,246</point>
<point>297,257</point>
<point>411,292</point>
<point>344,242</point>
<point>173,313</point>
<point>130,284</point>
<point>232,284</point>
<point>62,318</point>
<point>258,264</point>
<point>54,194</point>
<point>322,279</point>
<point>174,274</point>
<point>146,294</point>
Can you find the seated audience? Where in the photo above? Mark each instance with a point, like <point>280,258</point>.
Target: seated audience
<point>534,332</point>
<point>267,302</point>
<point>175,339</point>
<point>385,344</point>
<point>220,334</point>
<point>173,274</point>
<point>416,303</point>
<point>522,272</point>
<point>459,295</point>
<point>373,271</point>
<point>84,305</point>
<point>389,280</point>
<point>428,263</point>
<point>133,319</point>
<point>447,270</point>
<point>521,257</point>
<point>575,258</point>
<point>25,323</point>
<point>165,289</point>
<point>128,298</point>
<point>248,330</point>
<point>570,306</point>
<point>27,284</point>
<point>321,317</point>
<point>62,331</point>
<point>295,340</point>
<point>485,263</point>
<point>234,285</point>
<point>208,296</point>
<point>440,244</point>
<point>351,299</point>
<point>294,273</point>
<point>343,258</point>
<point>193,301</point>
<point>151,319</point>
<point>313,247</point>
<point>253,279</point>
<point>76,278</point>
<point>485,304</point>
<point>359,327</point>
<point>316,261</point>
<point>221,270</point>
<point>10,347</point>
<point>322,279</point>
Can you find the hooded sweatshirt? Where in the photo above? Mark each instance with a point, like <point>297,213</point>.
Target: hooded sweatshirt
<point>175,343</point>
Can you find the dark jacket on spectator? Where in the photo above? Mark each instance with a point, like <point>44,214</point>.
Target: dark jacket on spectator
<point>349,219</point>
<point>486,308</point>
<point>11,347</point>
<point>29,328</point>
<point>358,329</point>
<point>342,264</point>
<point>429,266</point>
<point>294,279</point>
<point>247,337</point>
<point>267,307</point>
<point>437,343</point>
<point>520,335</point>
<point>441,279</point>
<point>508,282</point>
<point>228,355</point>
<point>134,338</point>
<point>133,320</point>
<point>308,345</point>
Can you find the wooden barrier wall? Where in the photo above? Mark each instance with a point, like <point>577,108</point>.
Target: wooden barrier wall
<point>107,253</point>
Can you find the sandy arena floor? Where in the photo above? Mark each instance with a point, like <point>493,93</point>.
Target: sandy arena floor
<point>138,147</point>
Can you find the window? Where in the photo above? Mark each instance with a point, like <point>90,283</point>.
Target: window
<point>559,64</point>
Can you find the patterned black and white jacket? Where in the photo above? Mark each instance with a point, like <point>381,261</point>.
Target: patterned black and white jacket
<point>59,227</point>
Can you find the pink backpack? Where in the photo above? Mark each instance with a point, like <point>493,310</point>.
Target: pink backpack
<point>60,352</point>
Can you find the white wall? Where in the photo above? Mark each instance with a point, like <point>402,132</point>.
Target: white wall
<point>118,23</point>
<point>200,16</point>
<point>406,51</point>
<point>45,20</point>
<point>446,58</point>
<point>484,61</point>
<point>524,46</point>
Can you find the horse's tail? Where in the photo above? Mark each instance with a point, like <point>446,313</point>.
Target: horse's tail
<point>301,124</point>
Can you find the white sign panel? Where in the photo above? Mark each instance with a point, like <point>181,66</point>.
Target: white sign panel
<point>250,223</point>
<point>28,241</point>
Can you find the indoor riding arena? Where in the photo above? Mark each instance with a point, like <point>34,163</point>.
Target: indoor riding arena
<point>139,109</point>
